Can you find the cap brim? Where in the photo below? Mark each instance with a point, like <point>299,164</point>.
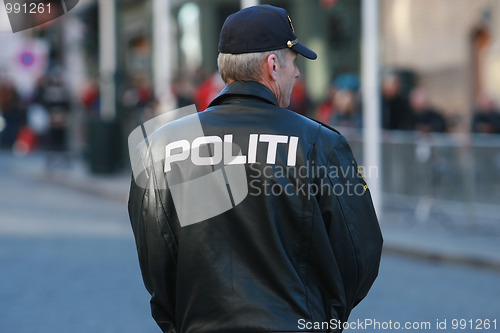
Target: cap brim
<point>305,51</point>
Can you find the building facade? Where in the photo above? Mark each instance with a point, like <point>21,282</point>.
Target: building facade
<point>453,46</point>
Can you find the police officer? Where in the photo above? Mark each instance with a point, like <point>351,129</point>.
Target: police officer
<point>251,217</point>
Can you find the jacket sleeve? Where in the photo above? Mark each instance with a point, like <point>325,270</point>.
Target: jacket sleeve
<point>352,215</point>
<point>156,260</point>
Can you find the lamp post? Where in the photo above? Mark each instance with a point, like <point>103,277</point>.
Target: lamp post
<point>107,58</point>
<point>371,99</point>
<point>248,3</point>
<point>162,54</point>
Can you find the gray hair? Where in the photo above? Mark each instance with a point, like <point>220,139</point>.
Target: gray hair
<point>246,66</point>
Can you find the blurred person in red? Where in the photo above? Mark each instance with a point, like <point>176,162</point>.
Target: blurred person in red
<point>396,111</point>
<point>90,98</point>
<point>425,118</point>
<point>207,91</point>
<point>145,95</point>
<point>299,100</point>
<point>486,119</point>
<point>326,110</point>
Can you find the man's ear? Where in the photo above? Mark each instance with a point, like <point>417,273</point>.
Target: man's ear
<point>272,66</point>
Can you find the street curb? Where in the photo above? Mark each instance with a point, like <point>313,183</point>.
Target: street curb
<point>92,186</point>
<point>469,260</point>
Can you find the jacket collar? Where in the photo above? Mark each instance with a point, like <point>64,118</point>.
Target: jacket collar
<point>244,88</point>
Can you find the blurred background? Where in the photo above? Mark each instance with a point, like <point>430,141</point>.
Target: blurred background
<point>72,89</point>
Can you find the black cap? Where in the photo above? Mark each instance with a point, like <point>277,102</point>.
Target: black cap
<point>259,29</point>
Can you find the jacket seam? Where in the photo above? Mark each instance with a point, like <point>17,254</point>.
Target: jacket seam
<point>304,209</point>
<point>159,200</point>
<point>304,259</point>
<point>348,229</point>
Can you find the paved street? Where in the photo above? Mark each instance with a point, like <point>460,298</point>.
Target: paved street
<point>69,265</point>
<point>68,262</point>
<point>415,290</point>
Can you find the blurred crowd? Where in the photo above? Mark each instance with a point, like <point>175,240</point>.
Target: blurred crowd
<point>37,119</point>
<point>411,111</point>
<point>40,119</point>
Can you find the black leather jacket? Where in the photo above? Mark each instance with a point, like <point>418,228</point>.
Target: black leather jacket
<point>302,246</point>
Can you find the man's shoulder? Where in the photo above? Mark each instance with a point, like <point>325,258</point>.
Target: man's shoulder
<point>326,138</point>
<point>328,130</point>
<point>325,132</point>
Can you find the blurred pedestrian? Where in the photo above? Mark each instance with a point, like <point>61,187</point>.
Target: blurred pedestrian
<point>299,100</point>
<point>396,111</point>
<point>347,82</point>
<point>182,91</point>
<point>425,118</point>
<point>53,96</point>
<point>90,99</point>
<point>265,254</point>
<point>207,91</point>
<point>11,114</point>
<point>486,118</point>
<point>326,109</point>
<point>348,113</point>
<point>145,94</point>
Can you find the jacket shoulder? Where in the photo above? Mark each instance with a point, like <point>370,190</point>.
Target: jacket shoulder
<point>325,125</point>
<point>326,133</point>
